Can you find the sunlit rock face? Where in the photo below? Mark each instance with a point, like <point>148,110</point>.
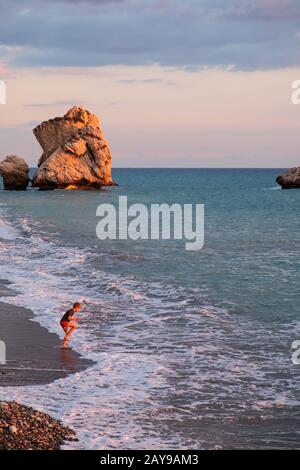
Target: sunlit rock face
<point>290,179</point>
<point>75,155</point>
<point>14,171</point>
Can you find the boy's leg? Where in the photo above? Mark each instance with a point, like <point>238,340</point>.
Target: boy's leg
<point>72,325</point>
<point>66,330</point>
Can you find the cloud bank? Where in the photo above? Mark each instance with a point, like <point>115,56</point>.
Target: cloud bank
<point>246,35</point>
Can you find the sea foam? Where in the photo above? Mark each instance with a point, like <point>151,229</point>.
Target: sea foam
<point>7,232</point>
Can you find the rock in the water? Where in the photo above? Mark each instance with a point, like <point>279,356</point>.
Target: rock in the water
<point>14,171</point>
<point>290,179</point>
<point>75,152</point>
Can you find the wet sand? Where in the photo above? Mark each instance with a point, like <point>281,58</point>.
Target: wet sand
<point>33,355</point>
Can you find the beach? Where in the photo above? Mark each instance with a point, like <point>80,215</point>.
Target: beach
<point>34,356</point>
<point>23,428</point>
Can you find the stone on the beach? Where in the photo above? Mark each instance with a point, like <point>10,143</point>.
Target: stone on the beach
<point>290,179</point>
<point>13,429</point>
<point>75,152</point>
<point>14,171</point>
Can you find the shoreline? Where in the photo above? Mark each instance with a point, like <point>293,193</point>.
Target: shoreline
<point>33,357</point>
<point>33,354</point>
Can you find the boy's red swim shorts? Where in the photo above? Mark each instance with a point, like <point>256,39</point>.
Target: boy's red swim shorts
<point>64,323</point>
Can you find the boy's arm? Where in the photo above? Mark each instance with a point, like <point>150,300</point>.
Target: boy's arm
<point>73,317</point>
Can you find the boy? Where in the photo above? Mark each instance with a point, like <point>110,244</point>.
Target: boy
<point>68,322</point>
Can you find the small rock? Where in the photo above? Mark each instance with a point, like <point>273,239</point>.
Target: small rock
<point>290,179</point>
<point>13,429</point>
<point>14,171</point>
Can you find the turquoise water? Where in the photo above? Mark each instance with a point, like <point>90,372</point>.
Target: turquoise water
<point>193,349</point>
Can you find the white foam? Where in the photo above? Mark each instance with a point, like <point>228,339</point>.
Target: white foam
<point>273,188</point>
<point>7,232</point>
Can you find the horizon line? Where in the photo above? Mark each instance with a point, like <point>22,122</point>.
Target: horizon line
<point>194,168</point>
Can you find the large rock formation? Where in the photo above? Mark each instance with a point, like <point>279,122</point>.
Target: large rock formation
<point>75,152</point>
<point>14,171</point>
<point>290,179</point>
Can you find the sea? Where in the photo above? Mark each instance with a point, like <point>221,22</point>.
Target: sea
<point>191,349</point>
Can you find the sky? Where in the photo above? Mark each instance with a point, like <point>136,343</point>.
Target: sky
<point>176,83</point>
